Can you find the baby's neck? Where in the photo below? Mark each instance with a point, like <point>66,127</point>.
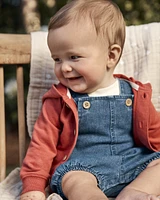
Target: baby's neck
<point>113,89</point>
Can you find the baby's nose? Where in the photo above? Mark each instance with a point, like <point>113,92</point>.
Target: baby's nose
<point>66,67</point>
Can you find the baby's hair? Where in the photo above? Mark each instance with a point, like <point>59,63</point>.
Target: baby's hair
<point>105,16</point>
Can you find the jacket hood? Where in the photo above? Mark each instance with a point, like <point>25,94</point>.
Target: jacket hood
<point>134,83</point>
<point>56,91</point>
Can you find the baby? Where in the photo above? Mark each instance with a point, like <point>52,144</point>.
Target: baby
<point>98,134</point>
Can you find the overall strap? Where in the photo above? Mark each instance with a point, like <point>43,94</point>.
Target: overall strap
<point>76,95</point>
<point>125,87</point>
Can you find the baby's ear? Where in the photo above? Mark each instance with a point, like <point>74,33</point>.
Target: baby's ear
<point>114,54</point>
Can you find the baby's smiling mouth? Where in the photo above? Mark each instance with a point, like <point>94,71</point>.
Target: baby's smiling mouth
<point>74,78</point>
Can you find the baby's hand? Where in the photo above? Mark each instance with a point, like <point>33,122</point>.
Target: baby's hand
<point>33,195</point>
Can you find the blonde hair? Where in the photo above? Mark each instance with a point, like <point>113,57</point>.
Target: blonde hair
<point>105,16</point>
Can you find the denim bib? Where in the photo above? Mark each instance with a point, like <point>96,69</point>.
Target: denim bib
<point>105,145</point>
<point>105,123</point>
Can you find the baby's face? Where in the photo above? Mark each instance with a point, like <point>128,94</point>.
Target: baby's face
<point>80,57</point>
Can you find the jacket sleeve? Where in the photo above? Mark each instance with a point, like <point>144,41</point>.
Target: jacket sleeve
<point>154,129</point>
<point>146,121</point>
<point>35,170</point>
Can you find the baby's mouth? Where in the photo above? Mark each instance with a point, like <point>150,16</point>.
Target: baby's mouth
<point>74,78</point>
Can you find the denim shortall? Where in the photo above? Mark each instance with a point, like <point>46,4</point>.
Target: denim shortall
<point>105,145</point>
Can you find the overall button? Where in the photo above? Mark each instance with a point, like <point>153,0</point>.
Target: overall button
<point>128,102</point>
<point>86,104</point>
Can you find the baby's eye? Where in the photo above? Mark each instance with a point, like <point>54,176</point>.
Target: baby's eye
<point>57,60</point>
<point>75,57</point>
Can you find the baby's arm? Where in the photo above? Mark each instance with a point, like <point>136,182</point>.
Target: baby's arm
<point>33,195</point>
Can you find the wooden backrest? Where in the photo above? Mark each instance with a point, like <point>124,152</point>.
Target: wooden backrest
<point>14,50</point>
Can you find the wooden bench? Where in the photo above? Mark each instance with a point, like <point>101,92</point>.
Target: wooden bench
<point>15,49</point>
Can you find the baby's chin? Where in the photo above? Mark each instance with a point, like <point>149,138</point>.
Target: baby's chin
<point>78,89</point>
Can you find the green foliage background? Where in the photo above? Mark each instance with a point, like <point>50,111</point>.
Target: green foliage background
<point>11,21</point>
<point>134,11</point>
